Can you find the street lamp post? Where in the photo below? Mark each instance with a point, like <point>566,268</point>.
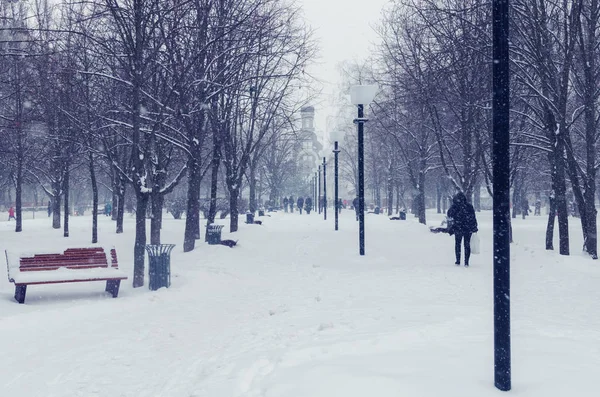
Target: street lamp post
<point>336,135</point>
<point>319,190</point>
<point>336,151</point>
<point>501,185</point>
<point>315,194</point>
<point>324,189</point>
<point>361,95</point>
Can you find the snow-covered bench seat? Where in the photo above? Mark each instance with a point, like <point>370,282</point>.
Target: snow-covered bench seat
<point>73,265</point>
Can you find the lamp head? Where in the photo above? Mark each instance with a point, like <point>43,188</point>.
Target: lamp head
<point>363,94</point>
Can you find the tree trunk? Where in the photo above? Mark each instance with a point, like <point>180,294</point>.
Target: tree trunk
<point>438,198</point>
<point>214,182</point>
<point>477,196</point>
<point>561,199</point>
<point>390,198</point>
<point>550,226</point>
<point>140,240</point>
<point>156,219</point>
<point>94,200</point>
<point>252,188</point>
<point>192,218</point>
<point>233,209</point>
<point>421,199</point>
<point>56,206</point>
<point>121,206</point>
<point>66,189</point>
<point>115,201</point>
<point>19,194</point>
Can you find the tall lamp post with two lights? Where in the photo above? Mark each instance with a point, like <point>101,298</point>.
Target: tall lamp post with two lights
<point>361,95</point>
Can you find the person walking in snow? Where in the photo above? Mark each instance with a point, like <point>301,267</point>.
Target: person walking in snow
<point>355,204</point>
<point>11,213</point>
<point>462,223</point>
<point>300,204</point>
<point>49,208</point>
<point>291,204</point>
<point>285,204</point>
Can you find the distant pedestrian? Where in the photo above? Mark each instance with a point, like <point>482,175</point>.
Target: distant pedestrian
<point>538,207</point>
<point>300,204</point>
<point>291,201</point>
<point>308,205</point>
<point>355,204</point>
<point>107,209</point>
<point>462,223</point>
<point>11,213</point>
<point>49,208</point>
<point>525,208</point>
<point>285,204</point>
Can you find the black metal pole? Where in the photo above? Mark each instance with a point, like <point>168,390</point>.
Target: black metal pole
<point>361,181</point>
<point>335,177</point>
<point>501,172</point>
<point>315,194</point>
<point>324,189</point>
<point>319,198</point>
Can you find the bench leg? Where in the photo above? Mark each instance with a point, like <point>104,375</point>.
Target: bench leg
<point>112,286</point>
<point>20,291</point>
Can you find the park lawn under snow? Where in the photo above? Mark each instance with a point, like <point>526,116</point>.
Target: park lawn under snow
<point>294,311</point>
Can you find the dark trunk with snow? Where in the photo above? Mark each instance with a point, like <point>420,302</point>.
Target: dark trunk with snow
<point>156,219</point>
<point>56,200</point>
<point>234,194</point>
<point>192,219</point>
<point>94,199</point>
<point>214,181</point>
<point>140,239</point>
<point>121,206</point>
<point>19,193</point>
<point>550,225</point>
<point>66,189</point>
<point>252,188</point>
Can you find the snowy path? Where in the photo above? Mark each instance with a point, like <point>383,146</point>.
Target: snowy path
<point>294,311</point>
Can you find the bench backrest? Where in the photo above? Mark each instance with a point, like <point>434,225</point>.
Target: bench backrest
<point>72,258</point>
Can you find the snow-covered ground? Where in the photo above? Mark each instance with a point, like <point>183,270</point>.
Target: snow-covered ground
<point>294,311</point>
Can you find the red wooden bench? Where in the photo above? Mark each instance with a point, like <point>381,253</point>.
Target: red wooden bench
<point>74,265</point>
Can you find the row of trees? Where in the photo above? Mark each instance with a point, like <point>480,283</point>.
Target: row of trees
<point>153,94</point>
<point>431,124</point>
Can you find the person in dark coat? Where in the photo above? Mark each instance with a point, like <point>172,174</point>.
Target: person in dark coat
<point>462,223</point>
<point>285,204</point>
<point>291,203</point>
<point>300,203</point>
<point>355,205</point>
<point>308,205</point>
<point>49,208</point>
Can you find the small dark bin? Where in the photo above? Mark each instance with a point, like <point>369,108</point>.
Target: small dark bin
<point>402,215</point>
<point>213,234</point>
<point>376,210</point>
<point>261,213</point>
<point>159,268</point>
<point>249,217</point>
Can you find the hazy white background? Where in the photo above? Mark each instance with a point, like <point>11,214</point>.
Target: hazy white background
<point>344,30</point>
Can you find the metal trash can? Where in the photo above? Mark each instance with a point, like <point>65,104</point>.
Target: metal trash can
<point>261,212</point>
<point>213,234</point>
<point>249,217</point>
<point>159,268</point>
<point>376,210</point>
<point>402,215</point>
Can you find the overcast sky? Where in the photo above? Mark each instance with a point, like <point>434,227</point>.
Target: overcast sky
<point>344,31</point>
